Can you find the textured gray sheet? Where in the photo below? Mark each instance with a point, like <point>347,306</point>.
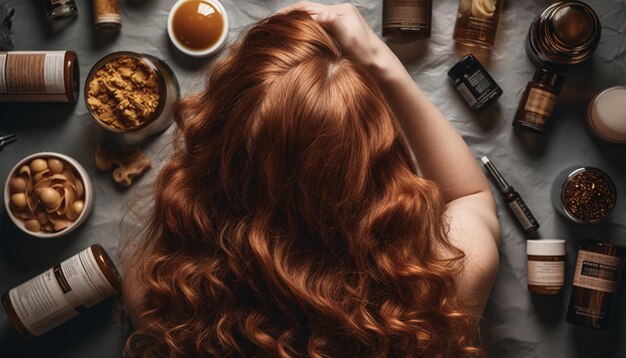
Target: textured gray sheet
<point>516,324</point>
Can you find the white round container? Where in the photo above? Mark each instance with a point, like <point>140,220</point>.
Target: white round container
<point>87,184</point>
<point>546,266</point>
<point>202,53</point>
<point>606,115</point>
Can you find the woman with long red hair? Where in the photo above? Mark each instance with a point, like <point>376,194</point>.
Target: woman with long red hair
<point>290,220</point>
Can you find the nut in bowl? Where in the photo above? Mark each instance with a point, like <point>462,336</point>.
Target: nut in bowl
<point>127,92</point>
<point>48,195</point>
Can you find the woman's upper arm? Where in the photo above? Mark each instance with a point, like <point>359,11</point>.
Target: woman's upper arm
<point>474,228</point>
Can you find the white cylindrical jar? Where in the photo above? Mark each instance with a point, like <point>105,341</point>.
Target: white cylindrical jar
<point>546,266</point>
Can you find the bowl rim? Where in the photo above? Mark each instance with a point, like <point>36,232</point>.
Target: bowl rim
<point>87,184</point>
<point>209,51</point>
<point>148,62</point>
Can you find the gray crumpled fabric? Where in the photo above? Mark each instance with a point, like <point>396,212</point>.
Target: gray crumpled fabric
<point>6,36</point>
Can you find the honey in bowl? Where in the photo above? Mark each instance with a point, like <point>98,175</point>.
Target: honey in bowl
<point>198,25</point>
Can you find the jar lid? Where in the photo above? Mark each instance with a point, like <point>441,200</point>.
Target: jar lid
<point>552,78</point>
<point>607,114</point>
<point>574,24</point>
<point>545,247</point>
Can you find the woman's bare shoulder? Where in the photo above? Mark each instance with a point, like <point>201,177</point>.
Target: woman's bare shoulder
<point>474,228</point>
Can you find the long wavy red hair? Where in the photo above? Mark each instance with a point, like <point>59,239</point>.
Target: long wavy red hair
<point>290,221</point>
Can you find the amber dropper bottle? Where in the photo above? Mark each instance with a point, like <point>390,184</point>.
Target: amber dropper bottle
<point>512,199</point>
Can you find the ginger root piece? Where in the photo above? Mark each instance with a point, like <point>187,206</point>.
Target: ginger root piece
<point>128,166</point>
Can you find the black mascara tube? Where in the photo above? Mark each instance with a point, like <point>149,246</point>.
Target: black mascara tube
<point>512,198</point>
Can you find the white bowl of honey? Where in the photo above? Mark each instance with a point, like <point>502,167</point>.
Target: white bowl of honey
<point>198,28</point>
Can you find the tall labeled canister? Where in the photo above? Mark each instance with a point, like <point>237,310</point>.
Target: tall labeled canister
<point>596,280</point>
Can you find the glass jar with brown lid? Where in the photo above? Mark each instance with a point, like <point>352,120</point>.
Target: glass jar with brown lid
<point>565,35</point>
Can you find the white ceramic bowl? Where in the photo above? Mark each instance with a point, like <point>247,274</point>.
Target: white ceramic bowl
<point>204,53</point>
<point>89,194</point>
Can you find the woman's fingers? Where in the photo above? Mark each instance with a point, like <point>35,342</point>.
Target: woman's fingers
<point>308,6</point>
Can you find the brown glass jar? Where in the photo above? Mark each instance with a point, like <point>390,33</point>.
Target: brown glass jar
<point>565,35</point>
<point>107,15</point>
<point>596,279</point>
<point>39,76</point>
<point>538,101</point>
<point>61,293</point>
<point>584,195</point>
<point>477,22</point>
<point>546,266</point>
<point>407,19</point>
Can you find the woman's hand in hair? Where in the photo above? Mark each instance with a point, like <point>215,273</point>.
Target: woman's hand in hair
<point>347,26</point>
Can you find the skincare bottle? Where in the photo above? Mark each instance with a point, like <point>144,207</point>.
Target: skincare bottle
<point>61,293</point>
<point>538,101</point>
<point>546,266</point>
<point>407,20</point>
<point>39,76</point>
<point>513,200</point>
<point>106,14</point>
<point>596,280</point>
<point>477,22</point>
<point>59,9</point>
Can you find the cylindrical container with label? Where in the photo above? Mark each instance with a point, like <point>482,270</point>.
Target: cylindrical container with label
<point>474,83</point>
<point>538,101</point>
<point>477,22</point>
<point>606,116</point>
<point>584,195</point>
<point>407,20</point>
<point>596,279</point>
<point>546,266</point>
<point>564,36</point>
<point>107,15</point>
<point>63,292</point>
<point>39,76</point>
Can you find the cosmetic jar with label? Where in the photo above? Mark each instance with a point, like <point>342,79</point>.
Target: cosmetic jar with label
<point>106,14</point>
<point>61,293</point>
<point>565,35</point>
<point>407,20</point>
<point>596,280</point>
<point>538,101</point>
<point>477,22</point>
<point>606,115</point>
<point>39,76</point>
<point>584,195</point>
<point>546,266</point>
<point>474,83</point>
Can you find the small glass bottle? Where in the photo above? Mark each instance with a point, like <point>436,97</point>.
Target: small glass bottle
<point>538,101</point>
<point>596,278</point>
<point>546,266</point>
<point>39,76</point>
<point>59,9</point>
<point>477,22</point>
<point>107,15</point>
<point>407,20</point>
<point>61,293</point>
